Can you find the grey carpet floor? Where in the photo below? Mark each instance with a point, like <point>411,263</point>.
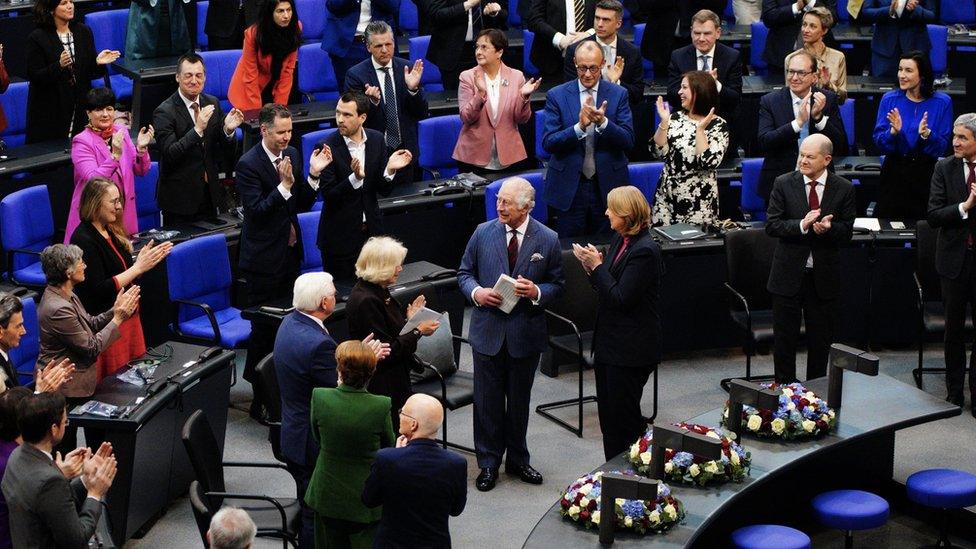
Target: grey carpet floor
<point>504,517</point>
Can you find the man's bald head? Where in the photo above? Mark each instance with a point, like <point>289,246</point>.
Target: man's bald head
<point>428,414</point>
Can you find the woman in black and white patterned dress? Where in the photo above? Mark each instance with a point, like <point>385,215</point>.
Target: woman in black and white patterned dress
<point>692,143</point>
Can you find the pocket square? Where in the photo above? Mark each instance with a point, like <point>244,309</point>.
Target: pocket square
<point>536,257</point>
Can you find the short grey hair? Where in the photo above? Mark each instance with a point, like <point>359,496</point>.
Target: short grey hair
<point>968,121</point>
<point>588,46</point>
<point>310,289</point>
<point>375,28</point>
<point>524,192</point>
<point>379,258</point>
<point>231,528</point>
<point>58,262</point>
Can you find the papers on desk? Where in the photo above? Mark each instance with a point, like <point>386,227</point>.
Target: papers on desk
<point>868,223</point>
<point>421,316</point>
<point>505,286</point>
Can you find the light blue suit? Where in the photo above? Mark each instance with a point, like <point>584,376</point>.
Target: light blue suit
<point>506,347</point>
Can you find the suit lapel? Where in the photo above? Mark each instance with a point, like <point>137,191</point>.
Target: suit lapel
<point>828,195</point>
<point>501,245</point>
<point>799,190</point>
<point>959,188</point>
<point>523,251</point>
<point>341,152</point>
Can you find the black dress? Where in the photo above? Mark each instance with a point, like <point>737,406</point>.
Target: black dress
<point>57,95</point>
<point>371,309</point>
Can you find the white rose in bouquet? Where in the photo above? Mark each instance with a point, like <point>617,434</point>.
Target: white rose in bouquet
<point>573,511</point>
<point>584,502</point>
<point>595,517</point>
<point>734,457</point>
<point>754,423</point>
<point>694,470</point>
<point>713,434</point>
<point>711,467</point>
<point>787,391</point>
<point>646,458</point>
<point>671,512</point>
<point>654,517</point>
<point>634,451</point>
<point>668,467</point>
<point>628,522</point>
<point>778,426</point>
<point>808,425</point>
<point>585,489</point>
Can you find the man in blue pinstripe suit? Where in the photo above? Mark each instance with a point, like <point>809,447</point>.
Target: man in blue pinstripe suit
<point>506,347</point>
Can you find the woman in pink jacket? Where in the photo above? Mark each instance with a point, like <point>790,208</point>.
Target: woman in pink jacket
<point>104,149</point>
<point>494,100</point>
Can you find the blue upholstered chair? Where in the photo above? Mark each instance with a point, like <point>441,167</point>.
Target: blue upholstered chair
<point>437,136</point>
<point>23,358</point>
<point>108,29</point>
<point>850,510</point>
<point>942,489</point>
<point>939,54</point>
<point>409,22</point>
<point>220,69</point>
<point>14,102</point>
<point>310,140</point>
<point>528,68</point>
<point>316,77</point>
<point>644,176</point>
<point>638,36</point>
<point>514,19</point>
<point>769,536</point>
<point>756,46</point>
<point>312,17</point>
<point>749,201</point>
<point>540,132</point>
<point>431,79</point>
<point>847,117</point>
<point>147,210</point>
<point>309,223</point>
<point>199,284</point>
<point>26,228</point>
<point>202,38</point>
<point>540,212</point>
<point>955,12</point>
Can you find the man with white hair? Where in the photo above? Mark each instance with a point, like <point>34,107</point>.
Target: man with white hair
<point>304,357</point>
<point>506,346</point>
<point>231,528</point>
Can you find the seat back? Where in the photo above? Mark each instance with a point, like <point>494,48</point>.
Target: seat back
<point>842,15</point>
<point>431,78</point>
<point>220,65</point>
<point>409,23</point>
<point>205,455</point>
<point>939,54</point>
<point>749,200</point>
<point>437,136</point>
<point>14,102</point>
<point>847,117</point>
<point>26,222</point>
<point>514,19</point>
<point>23,357</point>
<point>311,139</point>
<point>437,350</point>
<point>316,77</point>
<point>645,176</point>
<point>312,260</point>
<point>925,240</point>
<point>312,17</point>
<point>199,270</point>
<point>202,38</point>
<point>638,37</point>
<point>147,210</point>
<point>540,211</point>
<point>109,28</point>
<point>529,68</point>
<point>749,257</point>
<point>540,132</point>
<point>267,389</point>
<point>953,12</point>
<point>201,513</point>
<point>756,47</point>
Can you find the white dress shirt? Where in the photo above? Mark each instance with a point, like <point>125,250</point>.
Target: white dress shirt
<point>365,16</point>
<point>965,177</point>
<point>609,55</point>
<point>316,319</point>
<point>796,101</point>
<point>900,8</point>
<point>821,185</point>
<point>494,97</point>
<point>358,152</point>
<point>699,62</point>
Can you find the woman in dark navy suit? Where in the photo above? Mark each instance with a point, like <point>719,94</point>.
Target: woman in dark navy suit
<point>627,339</point>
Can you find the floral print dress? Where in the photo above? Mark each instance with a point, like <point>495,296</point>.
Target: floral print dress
<point>688,189</point>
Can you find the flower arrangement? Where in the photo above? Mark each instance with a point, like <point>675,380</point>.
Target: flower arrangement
<point>801,414</point>
<point>685,467</point>
<point>581,503</point>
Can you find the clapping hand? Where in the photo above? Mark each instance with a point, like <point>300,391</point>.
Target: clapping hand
<point>492,8</point>
<point>118,140</point>
<point>203,118</point>
<point>150,255</point>
<point>99,470</point>
<point>145,137</point>
<point>663,111</point>
<point>412,75</point>
<point>529,87</point>
<point>73,463</point>
<point>819,102</point>
<point>616,70</point>
<point>374,93</point>
<point>479,83</point>
<point>398,160</point>
<point>65,60</point>
<point>125,304</point>
<point>704,122</point>
<point>894,118</point>
<point>822,226</point>
<point>416,306</point>
<point>923,126</point>
<point>588,256</point>
<point>233,120</point>
<point>594,116</point>
<point>106,56</point>
<point>50,378</point>
<point>357,168</point>
<point>319,160</point>
<point>380,349</point>
<point>570,39</point>
<point>809,219</point>
<point>428,327</point>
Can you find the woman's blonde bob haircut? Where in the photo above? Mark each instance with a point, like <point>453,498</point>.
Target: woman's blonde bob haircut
<point>379,258</point>
<point>629,203</point>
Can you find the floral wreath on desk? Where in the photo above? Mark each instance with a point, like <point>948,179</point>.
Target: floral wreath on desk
<point>801,414</point>
<point>688,468</point>
<point>581,503</point>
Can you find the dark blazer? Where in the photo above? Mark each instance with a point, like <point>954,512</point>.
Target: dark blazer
<point>788,204</point>
<point>222,16</point>
<point>903,34</point>
<point>56,95</point>
<point>947,191</point>
<point>562,114</point>
<point>727,62</point>
<point>628,320</point>
<point>268,217</point>
<point>342,17</point>
<point>662,18</point>
<point>632,78</point>
<point>371,310</point>
<point>343,207</point>
<point>419,486</point>
<point>304,358</point>
<point>784,27</point>
<point>185,156</point>
<point>546,18</point>
<point>778,141</point>
<point>99,291</point>
<point>411,108</point>
<point>13,380</point>
<point>448,26</point>
<point>523,331</point>
<point>46,509</point>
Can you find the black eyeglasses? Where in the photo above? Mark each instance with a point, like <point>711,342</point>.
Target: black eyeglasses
<point>791,73</point>
<point>591,70</point>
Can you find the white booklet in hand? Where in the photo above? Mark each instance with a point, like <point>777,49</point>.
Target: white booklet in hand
<point>505,286</point>
<point>420,316</point>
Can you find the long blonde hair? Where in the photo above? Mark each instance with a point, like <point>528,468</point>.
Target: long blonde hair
<point>91,200</point>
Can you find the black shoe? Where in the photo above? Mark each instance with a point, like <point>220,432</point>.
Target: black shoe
<point>955,399</point>
<point>525,472</point>
<point>486,479</point>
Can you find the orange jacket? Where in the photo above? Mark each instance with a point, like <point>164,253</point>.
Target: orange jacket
<point>253,73</point>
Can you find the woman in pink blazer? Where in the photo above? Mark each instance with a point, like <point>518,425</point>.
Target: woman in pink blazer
<point>494,100</point>
<point>104,149</point>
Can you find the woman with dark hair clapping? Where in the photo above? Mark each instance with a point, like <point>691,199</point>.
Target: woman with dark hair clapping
<point>266,71</point>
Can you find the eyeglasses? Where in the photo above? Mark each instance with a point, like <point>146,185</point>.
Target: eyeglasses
<point>791,73</point>
<point>592,70</point>
<point>402,413</point>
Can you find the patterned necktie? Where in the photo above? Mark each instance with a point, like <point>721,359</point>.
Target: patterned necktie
<point>589,145</point>
<point>512,250</point>
<point>704,59</point>
<point>579,9</point>
<point>390,107</point>
<point>292,233</point>
<point>813,198</point>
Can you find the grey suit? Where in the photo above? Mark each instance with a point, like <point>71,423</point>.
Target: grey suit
<point>46,510</point>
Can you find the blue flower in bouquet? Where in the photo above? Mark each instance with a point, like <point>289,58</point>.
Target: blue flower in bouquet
<point>595,492</point>
<point>683,459</point>
<point>633,508</point>
<point>663,491</point>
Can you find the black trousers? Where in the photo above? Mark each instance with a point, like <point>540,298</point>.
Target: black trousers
<point>502,389</point>
<point>818,314</point>
<point>450,77</point>
<point>303,475</point>
<point>618,394</point>
<point>956,295</point>
<point>263,288</point>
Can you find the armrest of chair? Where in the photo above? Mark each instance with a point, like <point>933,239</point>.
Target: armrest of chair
<point>573,327</point>
<point>206,309</point>
<point>308,97</point>
<point>920,296</point>
<point>269,499</point>
<point>434,174</point>
<point>460,339</point>
<point>262,464</point>
<point>10,259</point>
<point>743,301</point>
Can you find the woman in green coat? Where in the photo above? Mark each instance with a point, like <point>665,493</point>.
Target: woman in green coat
<point>157,28</point>
<point>351,425</point>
